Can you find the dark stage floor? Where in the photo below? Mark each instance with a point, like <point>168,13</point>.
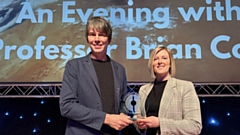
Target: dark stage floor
<point>41,116</point>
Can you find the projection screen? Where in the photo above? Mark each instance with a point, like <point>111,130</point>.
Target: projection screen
<point>37,38</point>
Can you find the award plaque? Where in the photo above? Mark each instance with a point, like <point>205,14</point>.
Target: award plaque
<point>129,101</point>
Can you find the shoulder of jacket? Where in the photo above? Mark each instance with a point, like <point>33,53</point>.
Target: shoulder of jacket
<point>181,80</point>
<point>116,63</point>
<point>146,85</point>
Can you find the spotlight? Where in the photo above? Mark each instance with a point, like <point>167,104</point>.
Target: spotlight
<point>42,102</point>
<point>34,130</point>
<point>35,114</point>
<point>214,122</point>
<point>6,113</point>
<point>48,121</point>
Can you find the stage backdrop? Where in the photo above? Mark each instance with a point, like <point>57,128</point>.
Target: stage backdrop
<point>37,38</point>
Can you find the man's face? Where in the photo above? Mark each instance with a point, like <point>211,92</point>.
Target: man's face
<point>98,41</point>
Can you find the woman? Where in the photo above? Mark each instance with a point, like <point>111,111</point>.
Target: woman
<point>167,105</point>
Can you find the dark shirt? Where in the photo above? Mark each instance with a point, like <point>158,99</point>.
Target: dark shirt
<point>153,103</point>
<point>106,83</point>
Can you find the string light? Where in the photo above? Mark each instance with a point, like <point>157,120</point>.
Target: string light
<point>35,114</point>
<point>48,121</point>
<point>34,130</point>
<point>214,122</point>
<point>42,102</point>
<point>6,113</point>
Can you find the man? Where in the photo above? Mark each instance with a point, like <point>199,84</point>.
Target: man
<point>92,87</point>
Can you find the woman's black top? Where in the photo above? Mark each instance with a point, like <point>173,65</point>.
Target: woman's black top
<point>153,103</point>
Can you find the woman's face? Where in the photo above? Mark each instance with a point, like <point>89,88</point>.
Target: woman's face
<point>161,65</point>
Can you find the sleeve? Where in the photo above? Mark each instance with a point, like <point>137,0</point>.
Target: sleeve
<point>140,110</point>
<point>69,104</point>
<point>191,123</point>
<point>125,88</point>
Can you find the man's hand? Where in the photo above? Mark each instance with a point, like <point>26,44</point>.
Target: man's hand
<point>117,122</point>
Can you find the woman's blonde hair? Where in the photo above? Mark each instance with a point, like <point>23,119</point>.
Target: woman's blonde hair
<point>172,68</point>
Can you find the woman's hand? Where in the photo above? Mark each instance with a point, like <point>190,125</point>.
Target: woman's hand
<point>151,122</point>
